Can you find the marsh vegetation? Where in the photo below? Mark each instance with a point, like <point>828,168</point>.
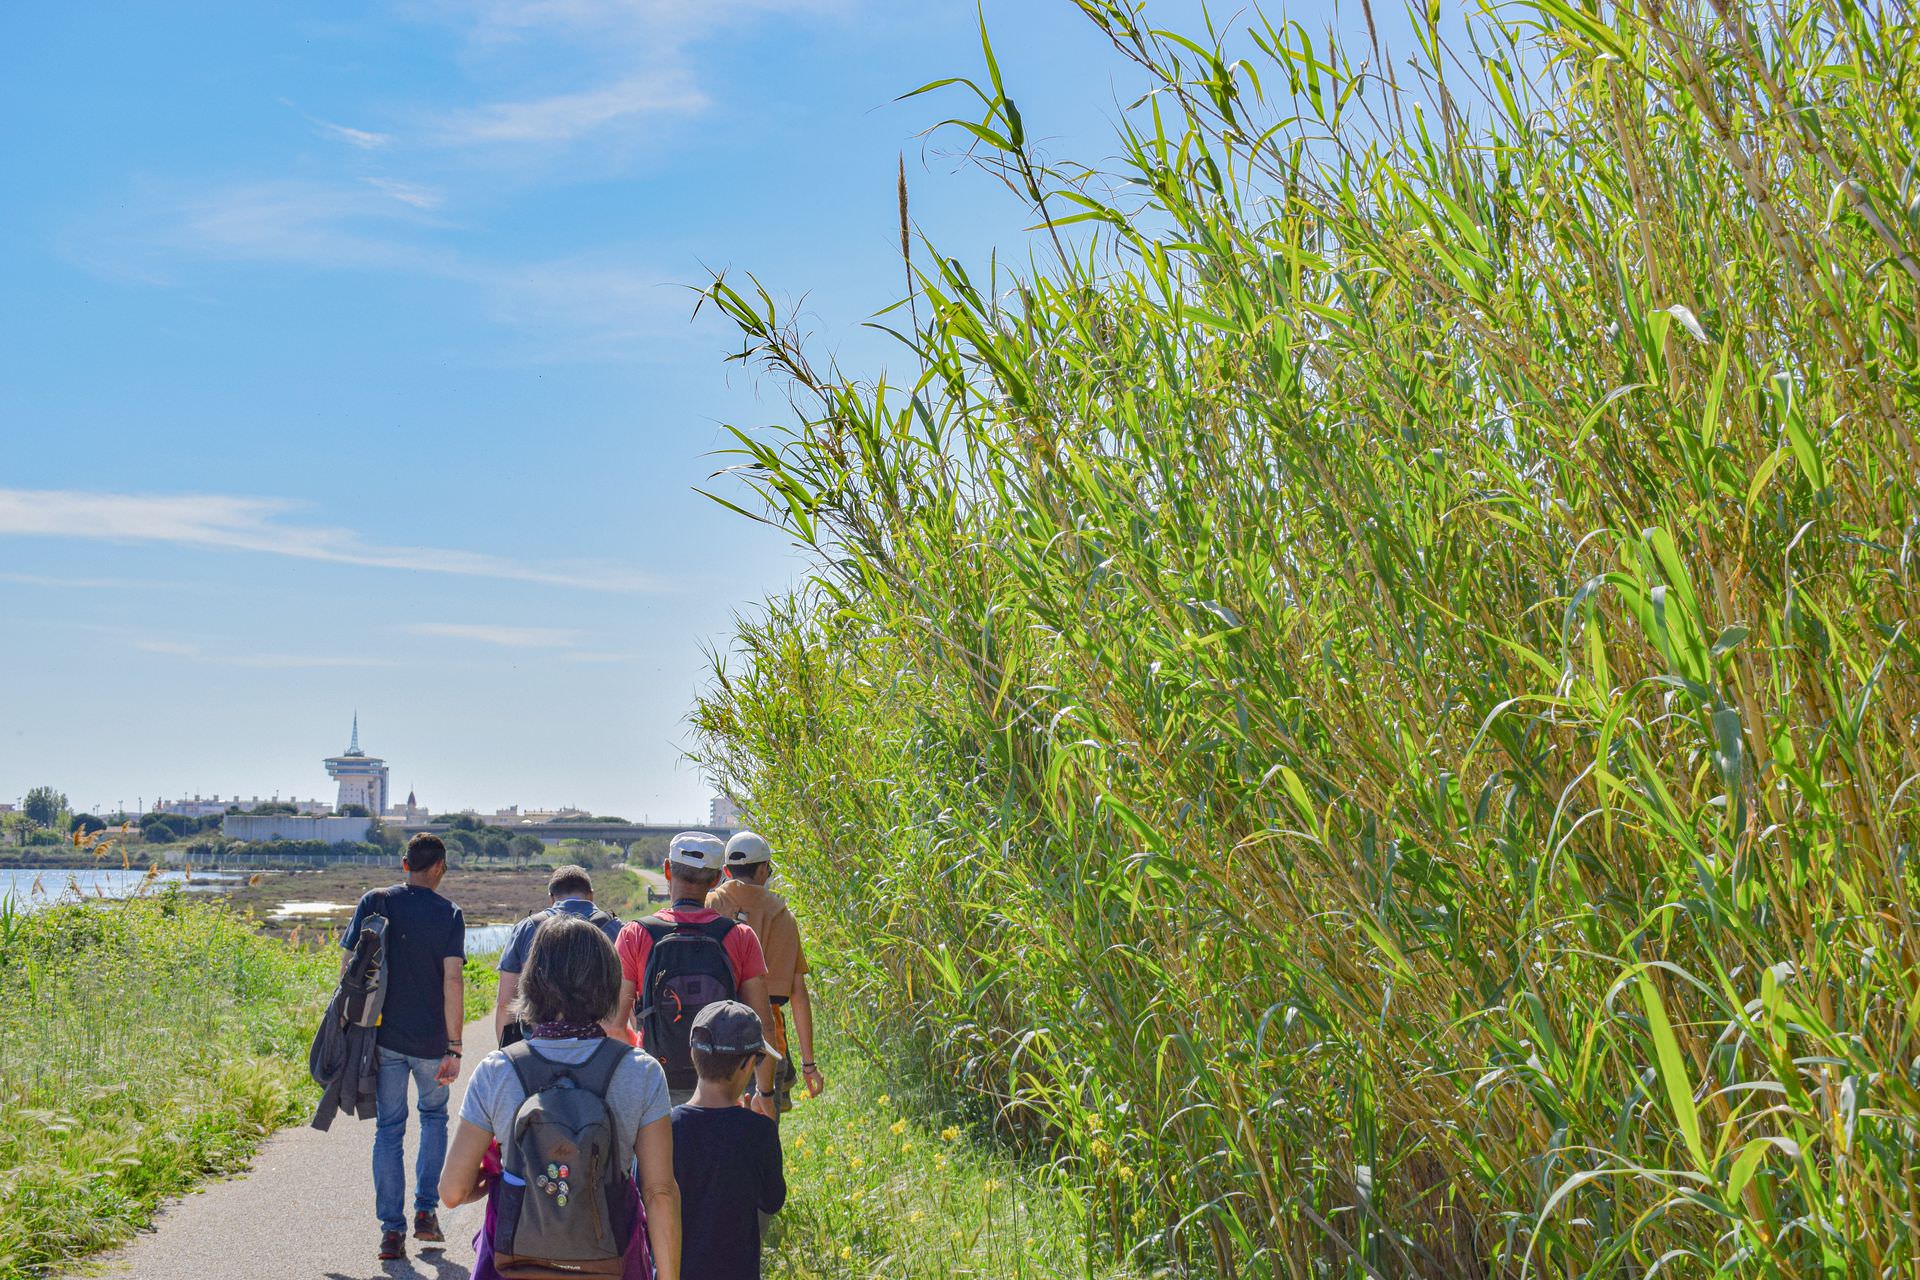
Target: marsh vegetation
<point>1364,700</point>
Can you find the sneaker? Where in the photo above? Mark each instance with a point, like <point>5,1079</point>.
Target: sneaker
<point>426,1227</point>
<point>393,1244</point>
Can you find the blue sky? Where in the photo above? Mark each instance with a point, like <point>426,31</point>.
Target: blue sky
<point>346,363</point>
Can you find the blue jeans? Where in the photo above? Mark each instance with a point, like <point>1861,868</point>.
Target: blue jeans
<point>390,1131</point>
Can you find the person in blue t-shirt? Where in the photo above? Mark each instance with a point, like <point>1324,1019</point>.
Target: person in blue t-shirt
<point>569,892</point>
<point>419,1037</point>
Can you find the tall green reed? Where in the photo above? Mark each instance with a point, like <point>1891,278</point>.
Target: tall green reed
<point>1373,685</point>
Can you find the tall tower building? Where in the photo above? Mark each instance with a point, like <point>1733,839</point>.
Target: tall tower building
<point>362,778</point>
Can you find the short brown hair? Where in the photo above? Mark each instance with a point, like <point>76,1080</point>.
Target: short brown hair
<point>572,974</point>
<point>425,851</point>
<point>712,1065</point>
<point>694,877</point>
<point>569,879</point>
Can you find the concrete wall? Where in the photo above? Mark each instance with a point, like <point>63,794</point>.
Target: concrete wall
<point>283,826</point>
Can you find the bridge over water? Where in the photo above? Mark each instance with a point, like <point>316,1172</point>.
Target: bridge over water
<point>623,834</point>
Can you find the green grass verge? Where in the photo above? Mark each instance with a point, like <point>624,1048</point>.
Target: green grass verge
<point>875,1188</point>
<point>142,1049</point>
<point>482,982</point>
<point>623,891</point>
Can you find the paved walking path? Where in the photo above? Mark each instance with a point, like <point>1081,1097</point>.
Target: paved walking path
<point>304,1211</point>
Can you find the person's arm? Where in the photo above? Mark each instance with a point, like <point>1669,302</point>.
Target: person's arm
<point>750,966</point>
<point>627,948</point>
<point>753,993</point>
<point>773,1175</point>
<point>454,994</point>
<point>502,1002</point>
<point>623,1012</point>
<point>460,1177</point>
<point>653,1145</point>
<point>802,1005</point>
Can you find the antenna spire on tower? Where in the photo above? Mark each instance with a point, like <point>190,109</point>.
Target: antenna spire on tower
<point>353,748</point>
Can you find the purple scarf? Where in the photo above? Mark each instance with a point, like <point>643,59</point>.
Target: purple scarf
<point>566,1031</point>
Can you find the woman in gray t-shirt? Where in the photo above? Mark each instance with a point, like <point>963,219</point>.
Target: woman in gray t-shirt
<point>571,982</point>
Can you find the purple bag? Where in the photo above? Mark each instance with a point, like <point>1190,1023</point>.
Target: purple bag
<point>639,1258</point>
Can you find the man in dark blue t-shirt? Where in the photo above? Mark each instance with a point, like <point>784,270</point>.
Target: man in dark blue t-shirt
<point>419,1037</point>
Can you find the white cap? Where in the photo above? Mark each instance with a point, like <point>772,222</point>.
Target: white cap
<point>747,848</point>
<point>698,850</point>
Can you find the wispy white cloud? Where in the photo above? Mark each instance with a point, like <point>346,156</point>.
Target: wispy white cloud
<point>177,648</point>
<point>550,83</point>
<point>589,307</point>
<point>635,57</point>
<point>503,636</point>
<point>365,139</point>
<point>408,193</point>
<point>291,661</point>
<point>564,117</point>
<point>260,525</point>
<point>308,222</point>
<point>258,661</point>
<point>608,305</point>
<point>100,584</point>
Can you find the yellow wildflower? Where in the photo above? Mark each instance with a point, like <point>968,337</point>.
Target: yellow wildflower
<point>906,1148</point>
<point>991,1185</point>
<point>950,1134</point>
<point>855,1163</point>
<point>897,1128</point>
<point>886,1100</point>
<point>846,1252</point>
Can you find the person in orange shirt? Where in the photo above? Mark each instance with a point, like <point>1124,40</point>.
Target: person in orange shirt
<point>744,896</point>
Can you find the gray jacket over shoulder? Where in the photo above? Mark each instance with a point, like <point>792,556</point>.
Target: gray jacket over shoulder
<point>345,1060</point>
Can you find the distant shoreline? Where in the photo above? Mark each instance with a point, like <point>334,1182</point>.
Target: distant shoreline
<point>485,896</point>
<point>307,903</point>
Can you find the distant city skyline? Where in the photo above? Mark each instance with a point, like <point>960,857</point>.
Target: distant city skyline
<point>363,779</point>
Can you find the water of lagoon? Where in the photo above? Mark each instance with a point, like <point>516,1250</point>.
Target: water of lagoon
<point>31,888</point>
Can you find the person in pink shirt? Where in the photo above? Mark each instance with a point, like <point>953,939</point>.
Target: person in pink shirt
<point>679,960</point>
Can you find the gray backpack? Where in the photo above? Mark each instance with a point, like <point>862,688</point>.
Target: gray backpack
<point>567,1202</point>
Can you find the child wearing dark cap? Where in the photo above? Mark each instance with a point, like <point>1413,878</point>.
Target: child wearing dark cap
<point>726,1157</point>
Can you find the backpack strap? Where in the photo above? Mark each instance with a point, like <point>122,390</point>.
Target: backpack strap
<point>537,1072</point>
<point>659,929</point>
<point>595,1075</point>
<point>717,929</point>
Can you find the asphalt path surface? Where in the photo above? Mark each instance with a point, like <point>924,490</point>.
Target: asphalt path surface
<point>304,1211</point>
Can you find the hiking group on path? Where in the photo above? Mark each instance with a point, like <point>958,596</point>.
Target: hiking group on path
<point>628,1125</point>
